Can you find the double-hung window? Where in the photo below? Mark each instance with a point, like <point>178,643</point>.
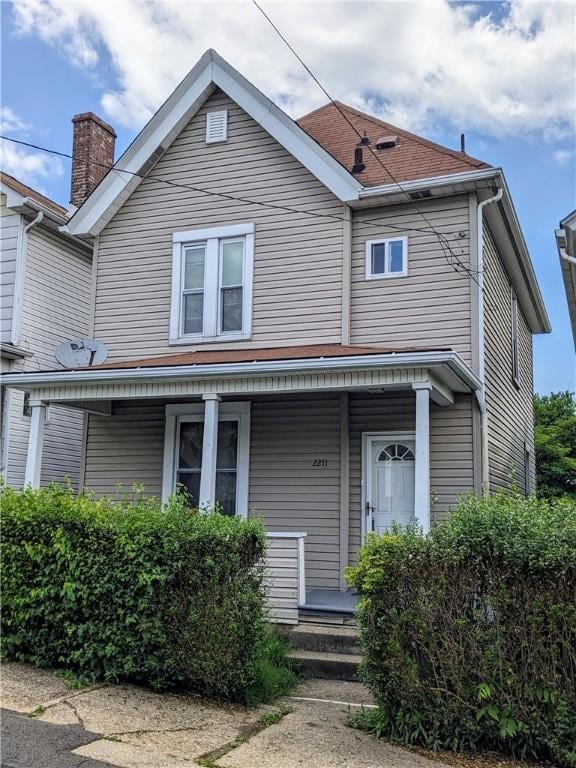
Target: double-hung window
<point>212,284</point>
<point>386,258</point>
<point>183,454</point>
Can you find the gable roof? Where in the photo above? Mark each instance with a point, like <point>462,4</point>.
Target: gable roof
<point>413,157</point>
<point>211,72</point>
<point>26,192</point>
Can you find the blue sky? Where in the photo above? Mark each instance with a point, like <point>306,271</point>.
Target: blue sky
<point>58,60</point>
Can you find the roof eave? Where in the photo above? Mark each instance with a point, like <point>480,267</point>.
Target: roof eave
<point>434,360</point>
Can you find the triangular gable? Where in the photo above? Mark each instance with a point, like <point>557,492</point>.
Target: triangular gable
<point>157,135</point>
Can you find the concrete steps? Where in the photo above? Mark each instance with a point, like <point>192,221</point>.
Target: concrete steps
<point>331,653</point>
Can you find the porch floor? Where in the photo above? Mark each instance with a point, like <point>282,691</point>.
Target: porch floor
<point>330,601</point>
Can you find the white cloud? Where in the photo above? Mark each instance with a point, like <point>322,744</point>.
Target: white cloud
<point>563,156</point>
<point>420,64</point>
<point>11,122</point>
<point>28,166</point>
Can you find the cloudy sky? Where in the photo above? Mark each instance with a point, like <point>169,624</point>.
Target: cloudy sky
<point>503,73</point>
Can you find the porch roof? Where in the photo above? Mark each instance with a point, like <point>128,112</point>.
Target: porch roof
<point>255,371</point>
<point>307,352</point>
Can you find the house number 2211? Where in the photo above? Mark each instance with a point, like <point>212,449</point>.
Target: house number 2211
<point>319,462</point>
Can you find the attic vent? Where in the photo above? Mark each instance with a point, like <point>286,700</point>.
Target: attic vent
<point>386,142</point>
<point>216,126</point>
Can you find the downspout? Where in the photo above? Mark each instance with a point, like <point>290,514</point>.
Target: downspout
<point>19,284</point>
<point>566,256</point>
<point>481,394</point>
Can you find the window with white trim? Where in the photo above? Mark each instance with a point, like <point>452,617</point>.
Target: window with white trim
<point>212,284</point>
<point>386,258</point>
<point>183,454</point>
<point>515,343</point>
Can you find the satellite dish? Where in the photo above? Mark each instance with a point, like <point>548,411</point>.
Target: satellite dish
<point>81,352</point>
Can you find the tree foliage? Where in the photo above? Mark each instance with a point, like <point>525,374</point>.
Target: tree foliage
<point>555,437</point>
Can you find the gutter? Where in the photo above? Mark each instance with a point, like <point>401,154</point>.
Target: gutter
<point>256,368</point>
<point>13,352</point>
<point>485,174</point>
<point>481,393</point>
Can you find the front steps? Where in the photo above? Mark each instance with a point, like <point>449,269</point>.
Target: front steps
<point>331,653</point>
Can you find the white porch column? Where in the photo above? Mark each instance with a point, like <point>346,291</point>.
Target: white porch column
<point>422,469</point>
<point>35,444</point>
<point>209,448</point>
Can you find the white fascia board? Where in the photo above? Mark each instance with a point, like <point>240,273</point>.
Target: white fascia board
<point>211,70</point>
<point>416,185</point>
<point>435,360</point>
<point>514,252</point>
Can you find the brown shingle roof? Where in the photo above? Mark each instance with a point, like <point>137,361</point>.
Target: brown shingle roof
<point>27,191</point>
<point>313,351</point>
<point>413,158</point>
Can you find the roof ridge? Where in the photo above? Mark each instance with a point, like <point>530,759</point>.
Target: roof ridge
<point>473,161</point>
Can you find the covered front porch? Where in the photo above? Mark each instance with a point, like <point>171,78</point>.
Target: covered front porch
<point>324,448</point>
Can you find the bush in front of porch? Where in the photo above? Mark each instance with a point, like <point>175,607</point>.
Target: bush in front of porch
<point>469,634</point>
<point>132,591</point>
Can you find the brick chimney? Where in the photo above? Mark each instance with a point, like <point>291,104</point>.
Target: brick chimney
<point>93,151</point>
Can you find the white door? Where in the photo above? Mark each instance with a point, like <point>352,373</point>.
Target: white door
<point>389,479</point>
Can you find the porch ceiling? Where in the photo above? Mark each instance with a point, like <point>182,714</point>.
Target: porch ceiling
<point>354,368</point>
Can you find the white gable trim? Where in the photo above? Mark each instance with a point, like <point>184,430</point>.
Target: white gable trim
<point>170,119</point>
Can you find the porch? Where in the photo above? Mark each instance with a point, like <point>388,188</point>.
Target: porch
<point>301,443</point>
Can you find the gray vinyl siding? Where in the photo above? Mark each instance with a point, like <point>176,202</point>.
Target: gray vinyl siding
<point>9,231</point>
<point>510,408</point>
<point>298,258</point>
<point>55,308</point>
<point>431,306</point>
<point>451,449</point>
<point>126,448</point>
<point>286,490</point>
<point>282,580</point>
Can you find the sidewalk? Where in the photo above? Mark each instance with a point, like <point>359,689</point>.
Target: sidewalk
<point>136,728</point>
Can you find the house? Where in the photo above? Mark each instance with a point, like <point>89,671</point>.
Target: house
<point>45,277</point>
<point>566,244</point>
<point>325,322</point>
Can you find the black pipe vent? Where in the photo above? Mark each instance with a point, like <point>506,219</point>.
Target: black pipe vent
<point>359,164</point>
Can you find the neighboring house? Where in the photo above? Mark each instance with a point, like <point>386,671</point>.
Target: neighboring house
<point>566,243</point>
<point>294,334</point>
<point>45,278</point>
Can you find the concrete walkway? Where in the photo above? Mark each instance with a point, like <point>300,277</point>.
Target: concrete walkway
<point>134,727</point>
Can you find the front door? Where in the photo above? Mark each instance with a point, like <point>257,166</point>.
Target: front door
<point>388,482</point>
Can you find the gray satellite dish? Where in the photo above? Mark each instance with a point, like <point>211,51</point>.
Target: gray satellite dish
<point>81,352</point>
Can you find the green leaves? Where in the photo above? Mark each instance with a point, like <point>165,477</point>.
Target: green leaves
<point>131,590</point>
<point>469,633</point>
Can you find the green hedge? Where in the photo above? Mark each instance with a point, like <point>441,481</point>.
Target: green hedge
<point>469,634</point>
<point>130,591</point>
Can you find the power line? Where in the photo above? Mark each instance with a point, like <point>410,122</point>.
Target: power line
<point>235,198</point>
<point>441,238</point>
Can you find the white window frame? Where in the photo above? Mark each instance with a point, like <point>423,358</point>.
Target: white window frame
<point>515,338</point>
<point>211,239</point>
<point>386,241</point>
<point>187,412</point>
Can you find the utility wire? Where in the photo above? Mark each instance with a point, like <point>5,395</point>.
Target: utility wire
<point>441,238</point>
<point>178,185</point>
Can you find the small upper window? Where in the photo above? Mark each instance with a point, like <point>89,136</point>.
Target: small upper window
<point>515,343</point>
<point>216,126</point>
<point>212,284</point>
<point>387,258</point>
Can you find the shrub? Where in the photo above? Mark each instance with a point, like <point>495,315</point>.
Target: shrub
<point>132,591</point>
<point>469,634</point>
